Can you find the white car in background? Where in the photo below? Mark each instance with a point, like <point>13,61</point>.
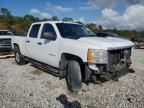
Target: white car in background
<point>5,40</point>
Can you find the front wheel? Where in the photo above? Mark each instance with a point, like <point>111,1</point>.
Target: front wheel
<point>74,79</point>
<point>19,58</point>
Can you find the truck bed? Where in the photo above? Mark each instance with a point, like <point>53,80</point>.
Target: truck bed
<point>19,40</point>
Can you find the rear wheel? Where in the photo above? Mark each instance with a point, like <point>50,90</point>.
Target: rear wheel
<point>19,58</point>
<point>74,79</point>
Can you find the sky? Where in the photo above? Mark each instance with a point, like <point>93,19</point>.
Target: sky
<point>120,14</point>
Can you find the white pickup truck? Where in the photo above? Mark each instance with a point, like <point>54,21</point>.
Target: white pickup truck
<point>72,51</point>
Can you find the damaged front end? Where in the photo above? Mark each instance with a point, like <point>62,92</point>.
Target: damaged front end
<point>118,60</point>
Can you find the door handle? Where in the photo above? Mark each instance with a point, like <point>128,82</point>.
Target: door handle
<point>39,43</point>
<point>28,41</point>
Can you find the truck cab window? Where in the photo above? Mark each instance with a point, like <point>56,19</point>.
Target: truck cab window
<point>48,32</point>
<point>34,31</point>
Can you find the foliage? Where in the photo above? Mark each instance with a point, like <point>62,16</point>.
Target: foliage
<point>20,25</point>
<point>67,19</point>
<point>92,26</point>
<point>124,33</point>
<point>4,11</point>
<point>54,18</point>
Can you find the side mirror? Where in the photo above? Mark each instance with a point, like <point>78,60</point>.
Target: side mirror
<point>49,36</point>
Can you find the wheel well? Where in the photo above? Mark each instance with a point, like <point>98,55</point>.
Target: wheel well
<point>16,45</point>
<point>72,57</point>
<point>66,57</point>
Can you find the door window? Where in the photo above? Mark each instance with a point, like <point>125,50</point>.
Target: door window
<point>48,32</point>
<point>34,31</point>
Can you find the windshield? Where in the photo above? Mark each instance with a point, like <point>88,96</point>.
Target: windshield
<point>5,33</point>
<point>74,31</point>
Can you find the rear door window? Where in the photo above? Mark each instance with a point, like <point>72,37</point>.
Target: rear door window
<point>34,31</point>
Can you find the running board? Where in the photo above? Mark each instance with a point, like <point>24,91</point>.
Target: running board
<point>52,70</point>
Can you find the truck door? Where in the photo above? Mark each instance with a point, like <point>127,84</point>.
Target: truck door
<point>47,46</point>
<point>31,41</point>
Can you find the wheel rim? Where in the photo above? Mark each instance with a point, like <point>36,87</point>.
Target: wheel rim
<point>17,57</point>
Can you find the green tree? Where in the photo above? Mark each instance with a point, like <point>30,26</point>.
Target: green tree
<point>45,19</point>
<point>27,20</point>
<point>54,18</point>
<point>21,24</point>
<point>67,19</point>
<point>92,27</point>
<point>5,11</point>
<point>6,15</point>
<point>100,27</point>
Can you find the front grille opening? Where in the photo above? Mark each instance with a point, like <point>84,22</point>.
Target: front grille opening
<point>102,67</point>
<point>115,56</point>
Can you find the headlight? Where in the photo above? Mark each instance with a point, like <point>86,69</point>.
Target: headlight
<point>97,56</point>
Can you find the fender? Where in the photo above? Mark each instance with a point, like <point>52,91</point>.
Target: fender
<point>64,60</point>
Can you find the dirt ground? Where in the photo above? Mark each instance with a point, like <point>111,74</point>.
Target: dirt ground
<point>28,87</point>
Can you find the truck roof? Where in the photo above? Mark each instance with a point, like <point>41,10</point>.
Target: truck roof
<point>54,22</point>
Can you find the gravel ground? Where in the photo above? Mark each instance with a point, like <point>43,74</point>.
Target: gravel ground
<point>28,87</point>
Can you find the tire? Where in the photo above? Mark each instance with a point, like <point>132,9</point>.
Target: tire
<point>19,58</point>
<point>74,79</point>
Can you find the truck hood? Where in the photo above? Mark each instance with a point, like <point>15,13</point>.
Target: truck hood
<point>107,43</point>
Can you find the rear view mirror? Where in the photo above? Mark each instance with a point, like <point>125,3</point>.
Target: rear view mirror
<point>49,36</point>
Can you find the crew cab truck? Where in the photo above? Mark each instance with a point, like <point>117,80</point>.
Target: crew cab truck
<point>5,40</point>
<point>71,51</point>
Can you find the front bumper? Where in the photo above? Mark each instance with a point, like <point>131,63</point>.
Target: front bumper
<point>104,68</point>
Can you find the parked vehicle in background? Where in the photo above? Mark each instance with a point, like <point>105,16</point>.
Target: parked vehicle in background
<point>138,42</point>
<point>72,51</point>
<point>5,40</point>
<point>109,35</point>
<point>106,34</point>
